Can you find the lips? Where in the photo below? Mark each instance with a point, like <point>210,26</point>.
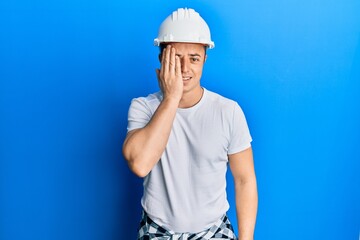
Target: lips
<point>186,78</point>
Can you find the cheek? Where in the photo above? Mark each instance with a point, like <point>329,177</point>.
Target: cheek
<point>198,70</point>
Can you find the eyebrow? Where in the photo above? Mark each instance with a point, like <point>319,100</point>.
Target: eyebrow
<point>191,55</point>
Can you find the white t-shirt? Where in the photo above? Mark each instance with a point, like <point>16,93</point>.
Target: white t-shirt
<point>186,189</point>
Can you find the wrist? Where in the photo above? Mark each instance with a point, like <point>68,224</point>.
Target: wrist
<point>171,100</point>
<point>170,103</point>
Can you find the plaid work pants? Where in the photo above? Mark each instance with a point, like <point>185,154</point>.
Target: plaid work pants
<point>149,230</point>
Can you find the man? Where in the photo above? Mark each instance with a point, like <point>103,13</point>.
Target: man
<point>181,139</point>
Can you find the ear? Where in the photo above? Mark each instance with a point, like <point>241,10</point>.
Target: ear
<point>205,57</point>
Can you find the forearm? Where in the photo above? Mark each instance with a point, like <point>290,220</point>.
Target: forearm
<point>246,207</point>
<point>144,147</point>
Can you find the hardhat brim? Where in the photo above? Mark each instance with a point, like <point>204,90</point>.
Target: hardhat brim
<point>210,45</point>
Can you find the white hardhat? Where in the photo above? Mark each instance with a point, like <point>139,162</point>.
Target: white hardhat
<point>184,25</point>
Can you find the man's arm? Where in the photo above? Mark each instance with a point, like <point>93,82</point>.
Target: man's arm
<point>242,168</point>
<point>143,147</point>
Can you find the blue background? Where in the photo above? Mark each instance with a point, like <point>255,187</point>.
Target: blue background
<point>68,70</point>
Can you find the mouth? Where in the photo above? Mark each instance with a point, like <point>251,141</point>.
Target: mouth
<point>186,78</point>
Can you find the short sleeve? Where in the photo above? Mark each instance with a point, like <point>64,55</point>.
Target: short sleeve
<point>139,114</point>
<point>240,138</point>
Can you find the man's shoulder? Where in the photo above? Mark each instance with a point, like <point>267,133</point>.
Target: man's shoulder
<point>148,104</point>
<point>220,100</point>
<point>152,98</point>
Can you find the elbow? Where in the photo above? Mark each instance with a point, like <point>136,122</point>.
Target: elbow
<point>135,164</point>
<point>245,180</point>
<point>138,171</point>
<point>137,168</point>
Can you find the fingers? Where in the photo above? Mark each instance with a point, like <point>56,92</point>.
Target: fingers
<point>177,66</point>
<point>172,61</point>
<point>169,75</point>
<point>163,56</point>
<point>166,60</point>
<point>162,65</point>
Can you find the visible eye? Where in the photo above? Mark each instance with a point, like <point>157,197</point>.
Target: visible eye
<point>195,59</point>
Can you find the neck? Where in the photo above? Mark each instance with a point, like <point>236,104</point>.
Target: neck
<point>190,99</point>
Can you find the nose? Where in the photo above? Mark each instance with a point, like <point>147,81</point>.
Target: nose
<point>184,65</point>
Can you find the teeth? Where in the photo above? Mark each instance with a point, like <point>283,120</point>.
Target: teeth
<point>186,78</point>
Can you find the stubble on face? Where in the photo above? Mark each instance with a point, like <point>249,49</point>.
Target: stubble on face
<point>192,57</point>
